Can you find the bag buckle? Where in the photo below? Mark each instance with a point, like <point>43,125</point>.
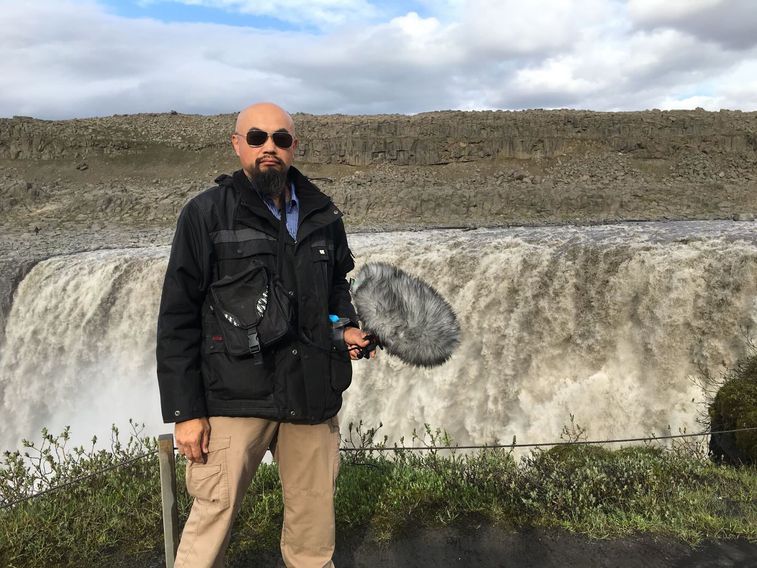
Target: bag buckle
<point>253,344</point>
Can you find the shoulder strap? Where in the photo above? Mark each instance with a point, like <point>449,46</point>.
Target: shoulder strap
<point>282,238</point>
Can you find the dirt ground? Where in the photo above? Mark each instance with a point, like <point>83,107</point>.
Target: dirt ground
<point>488,547</point>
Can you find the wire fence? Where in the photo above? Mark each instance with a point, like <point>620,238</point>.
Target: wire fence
<point>539,444</point>
<point>382,448</point>
<point>77,480</point>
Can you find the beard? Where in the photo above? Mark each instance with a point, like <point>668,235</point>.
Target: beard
<point>270,182</point>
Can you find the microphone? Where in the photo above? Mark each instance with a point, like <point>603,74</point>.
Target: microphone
<point>405,315</point>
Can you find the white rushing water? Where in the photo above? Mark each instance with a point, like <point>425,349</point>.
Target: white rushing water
<point>607,323</point>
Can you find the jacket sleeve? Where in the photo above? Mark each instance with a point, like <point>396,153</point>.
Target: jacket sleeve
<point>179,337</point>
<point>340,302</point>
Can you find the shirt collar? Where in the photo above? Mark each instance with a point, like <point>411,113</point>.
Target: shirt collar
<point>291,204</point>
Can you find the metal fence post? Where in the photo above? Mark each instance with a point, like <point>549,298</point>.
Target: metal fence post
<point>168,496</point>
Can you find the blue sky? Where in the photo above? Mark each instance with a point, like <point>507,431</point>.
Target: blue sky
<point>179,12</point>
<point>76,58</point>
<point>232,15</point>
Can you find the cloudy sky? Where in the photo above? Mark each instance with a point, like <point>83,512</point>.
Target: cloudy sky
<point>78,58</point>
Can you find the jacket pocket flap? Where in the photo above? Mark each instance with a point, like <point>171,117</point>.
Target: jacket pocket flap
<point>245,248</point>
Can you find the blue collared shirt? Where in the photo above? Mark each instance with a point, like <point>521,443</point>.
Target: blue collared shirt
<point>293,211</point>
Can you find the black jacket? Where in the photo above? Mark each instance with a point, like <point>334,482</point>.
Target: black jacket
<point>219,233</point>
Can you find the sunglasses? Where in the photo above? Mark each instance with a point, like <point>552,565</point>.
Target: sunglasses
<point>256,137</point>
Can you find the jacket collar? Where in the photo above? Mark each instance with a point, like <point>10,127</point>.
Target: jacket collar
<point>311,198</point>
<point>316,209</point>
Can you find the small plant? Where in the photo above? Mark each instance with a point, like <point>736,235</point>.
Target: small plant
<point>361,441</point>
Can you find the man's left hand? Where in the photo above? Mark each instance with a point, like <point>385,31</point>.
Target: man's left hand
<point>356,339</point>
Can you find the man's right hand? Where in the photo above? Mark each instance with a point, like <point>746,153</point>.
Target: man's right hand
<point>192,439</point>
<point>356,339</point>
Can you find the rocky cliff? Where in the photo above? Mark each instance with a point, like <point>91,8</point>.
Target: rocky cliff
<point>433,169</point>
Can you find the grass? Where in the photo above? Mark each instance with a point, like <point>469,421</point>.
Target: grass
<point>380,495</point>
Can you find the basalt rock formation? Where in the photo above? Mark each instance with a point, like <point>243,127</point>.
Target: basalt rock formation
<point>390,171</point>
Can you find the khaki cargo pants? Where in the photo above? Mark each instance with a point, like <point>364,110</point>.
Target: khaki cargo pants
<point>308,460</point>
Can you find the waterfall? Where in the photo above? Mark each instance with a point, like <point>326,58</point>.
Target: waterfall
<point>80,344</point>
<point>611,324</point>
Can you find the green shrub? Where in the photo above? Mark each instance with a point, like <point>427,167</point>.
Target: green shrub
<point>96,511</point>
<point>735,407</point>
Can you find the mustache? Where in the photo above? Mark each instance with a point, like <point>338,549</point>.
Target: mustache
<point>268,157</point>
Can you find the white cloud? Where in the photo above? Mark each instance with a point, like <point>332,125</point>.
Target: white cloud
<point>513,27</point>
<point>737,88</point>
<point>553,76</point>
<point>651,10</point>
<point>732,23</point>
<point>690,103</point>
<point>79,59</point>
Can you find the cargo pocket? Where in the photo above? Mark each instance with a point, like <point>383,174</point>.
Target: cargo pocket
<point>208,482</point>
<point>230,377</point>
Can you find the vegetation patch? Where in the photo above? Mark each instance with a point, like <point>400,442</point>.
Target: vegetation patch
<point>115,516</point>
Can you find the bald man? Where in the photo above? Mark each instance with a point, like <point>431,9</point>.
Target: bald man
<point>248,357</point>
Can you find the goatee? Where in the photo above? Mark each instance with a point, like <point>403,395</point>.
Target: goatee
<point>270,182</point>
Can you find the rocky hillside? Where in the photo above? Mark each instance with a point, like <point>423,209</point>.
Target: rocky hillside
<point>388,171</point>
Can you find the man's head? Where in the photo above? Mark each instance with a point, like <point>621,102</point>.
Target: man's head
<point>265,162</point>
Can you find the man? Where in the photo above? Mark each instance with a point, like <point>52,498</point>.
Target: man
<point>230,406</point>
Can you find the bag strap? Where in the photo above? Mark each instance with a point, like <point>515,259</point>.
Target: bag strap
<point>280,266</point>
<point>282,238</point>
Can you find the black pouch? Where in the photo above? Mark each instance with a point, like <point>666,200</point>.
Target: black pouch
<point>252,310</point>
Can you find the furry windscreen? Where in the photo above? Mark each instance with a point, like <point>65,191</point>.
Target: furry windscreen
<point>407,315</point>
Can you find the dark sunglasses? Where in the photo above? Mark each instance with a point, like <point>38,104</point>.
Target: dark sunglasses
<point>255,137</point>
